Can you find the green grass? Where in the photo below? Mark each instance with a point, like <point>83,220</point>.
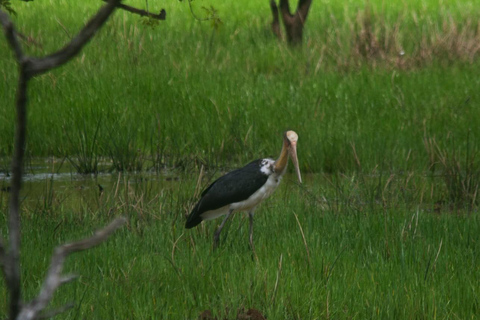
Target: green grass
<point>388,148</point>
<point>360,259</point>
<point>187,94</point>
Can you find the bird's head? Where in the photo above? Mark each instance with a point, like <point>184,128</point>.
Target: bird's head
<point>289,149</point>
<point>290,140</point>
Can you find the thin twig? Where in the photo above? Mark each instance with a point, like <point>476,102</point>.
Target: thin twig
<point>13,262</point>
<point>279,272</point>
<point>118,185</point>
<point>438,253</point>
<point>333,265</point>
<point>29,67</point>
<point>194,15</point>
<point>162,15</point>
<point>54,278</point>
<point>304,240</point>
<point>64,28</point>
<point>199,183</point>
<point>3,256</point>
<point>10,34</point>
<point>52,313</point>
<point>29,40</point>
<point>428,265</point>
<point>41,65</point>
<point>175,246</point>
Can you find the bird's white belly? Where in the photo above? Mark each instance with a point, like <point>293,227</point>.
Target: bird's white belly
<point>264,192</point>
<point>213,214</point>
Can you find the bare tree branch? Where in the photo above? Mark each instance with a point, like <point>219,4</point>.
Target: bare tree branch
<point>54,278</point>
<point>67,279</point>
<point>293,22</point>
<point>162,15</point>
<point>3,256</point>
<point>10,259</point>
<point>52,313</point>
<point>301,12</point>
<point>41,65</point>
<point>285,10</point>
<point>303,9</point>
<point>29,40</point>
<point>10,35</point>
<point>13,263</point>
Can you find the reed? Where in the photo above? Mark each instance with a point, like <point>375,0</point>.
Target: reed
<point>185,95</point>
<point>324,250</point>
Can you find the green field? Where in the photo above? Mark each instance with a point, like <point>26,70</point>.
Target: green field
<point>384,98</point>
<point>184,93</point>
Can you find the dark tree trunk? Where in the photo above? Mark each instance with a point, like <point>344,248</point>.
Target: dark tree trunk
<point>276,20</point>
<point>293,22</point>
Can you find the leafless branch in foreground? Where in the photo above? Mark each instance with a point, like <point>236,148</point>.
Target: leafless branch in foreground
<point>162,15</point>
<point>3,256</point>
<point>41,65</point>
<point>52,313</point>
<point>11,264</point>
<point>10,34</point>
<point>10,256</point>
<point>54,277</point>
<point>30,40</point>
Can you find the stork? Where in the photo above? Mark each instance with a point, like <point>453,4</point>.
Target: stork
<point>244,189</point>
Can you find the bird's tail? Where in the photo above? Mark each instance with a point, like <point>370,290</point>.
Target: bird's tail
<point>193,219</point>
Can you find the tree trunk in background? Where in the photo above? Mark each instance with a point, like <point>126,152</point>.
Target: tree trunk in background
<point>293,22</point>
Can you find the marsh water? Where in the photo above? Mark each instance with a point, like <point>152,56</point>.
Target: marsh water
<point>47,182</point>
<point>51,183</point>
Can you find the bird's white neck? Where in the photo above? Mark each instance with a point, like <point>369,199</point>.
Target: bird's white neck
<point>282,161</point>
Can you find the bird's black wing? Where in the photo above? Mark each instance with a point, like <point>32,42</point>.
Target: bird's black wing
<point>233,187</point>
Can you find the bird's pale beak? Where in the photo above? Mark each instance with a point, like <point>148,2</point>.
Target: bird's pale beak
<point>293,156</point>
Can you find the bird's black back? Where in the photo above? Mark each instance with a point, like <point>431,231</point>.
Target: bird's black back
<point>235,186</point>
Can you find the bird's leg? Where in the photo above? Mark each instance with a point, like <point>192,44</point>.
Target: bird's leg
<point>250,216</point>
<point>216,237</point>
